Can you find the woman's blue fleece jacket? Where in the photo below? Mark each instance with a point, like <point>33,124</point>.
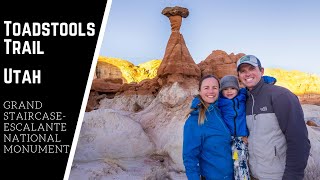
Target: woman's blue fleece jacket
<point>207,147</point>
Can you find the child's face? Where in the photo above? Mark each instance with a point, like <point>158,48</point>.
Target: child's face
<point>230,92</point>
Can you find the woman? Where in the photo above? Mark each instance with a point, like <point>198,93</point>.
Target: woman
<point>206,138</point>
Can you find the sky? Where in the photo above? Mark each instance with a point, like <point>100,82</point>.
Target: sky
<point>281,33</point>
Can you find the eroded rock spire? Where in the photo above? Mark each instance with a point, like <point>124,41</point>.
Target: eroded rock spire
<point>177,64</point>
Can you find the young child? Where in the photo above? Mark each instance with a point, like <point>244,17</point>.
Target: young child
<point>232,104</point>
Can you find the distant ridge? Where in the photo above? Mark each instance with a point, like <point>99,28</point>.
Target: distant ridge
<point>132,73</point>
<point>298,82</point>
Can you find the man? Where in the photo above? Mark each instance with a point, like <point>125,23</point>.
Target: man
<point>278,138</point>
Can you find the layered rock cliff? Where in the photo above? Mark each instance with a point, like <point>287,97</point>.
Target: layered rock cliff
<point>219,63</point>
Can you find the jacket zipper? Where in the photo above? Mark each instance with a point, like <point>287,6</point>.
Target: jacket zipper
<point>254,118</point>
<point>253,127</point>
<point>234,119</point>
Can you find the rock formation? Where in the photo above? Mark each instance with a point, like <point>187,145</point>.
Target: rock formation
<point>312,170</point>
<point>177,64</point>
<point>102,88</point>
<point>116,143</point>
<point>107,85</point>
<point>306,86</point>
<point>103,130</point>
<point>105,70</point>
<point>93,100</point>
<point>175,11</point>
<point>112,132</point>
<point>219,63</point>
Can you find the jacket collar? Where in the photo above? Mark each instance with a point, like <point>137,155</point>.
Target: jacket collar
<point>257,88</point>
<point>196,103</point>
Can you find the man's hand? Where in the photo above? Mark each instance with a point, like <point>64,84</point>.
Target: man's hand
<point>245,139</point>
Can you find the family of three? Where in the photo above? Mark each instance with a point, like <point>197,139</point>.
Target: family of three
<point>256,132</point>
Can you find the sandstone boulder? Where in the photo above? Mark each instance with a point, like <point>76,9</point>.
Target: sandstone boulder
<point>107,133</point>
<point>219,63</point>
